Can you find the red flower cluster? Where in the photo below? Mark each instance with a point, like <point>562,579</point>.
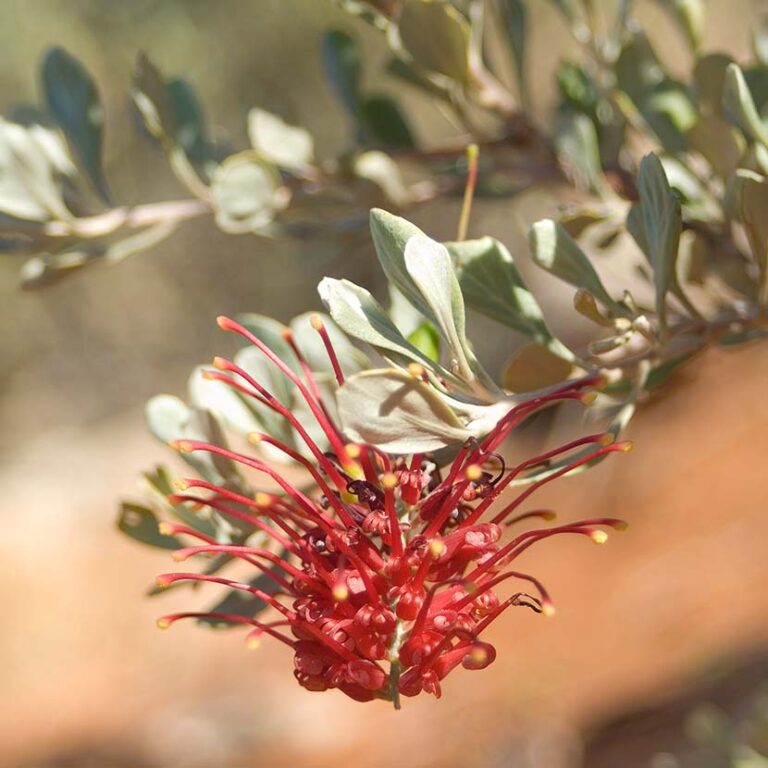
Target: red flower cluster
<point>388,576</point>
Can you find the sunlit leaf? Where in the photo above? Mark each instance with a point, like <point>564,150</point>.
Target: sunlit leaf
<point>277,142</point>
<point>739,102</point>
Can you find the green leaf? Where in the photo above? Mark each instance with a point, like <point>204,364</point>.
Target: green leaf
<point>555,251</point>
<point>427,340</point>
<point>394,411</point>
<point>245,194</point>
<point>493,286</point>
<point>577,146</point>
<point>718,142</point>
<point>357,313</point>
<point>169,418</point>
<point>73,101</point>
<point>341,59</point>
<point>351,359</point>
<point>141,524</point>
<point>709,80</point>
<point>750,194</point>
<point>240,603</point>
<point>222,401</point>
<point>380,169</point>
<point>152,99</point>
<point>390,233</point>
<point>429,267</point>
<point>514,13</point>
<point>689,16</point>
<point>284,145</point>
<point>32,162</point>
<point>662,223</point>
<point>382,123</point>
<point>534,367</point>
<point>437,37</point>
<point>738,100</point>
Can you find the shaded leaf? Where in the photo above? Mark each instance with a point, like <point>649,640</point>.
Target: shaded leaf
<point>717,140</point>
<point>341,59</point>
<point>579,152</point>
<point>437,37</point>
<point>396,412</point>
<point>662,223</point>
<point>689,16</point>
<point>141,524</point>
<point>382,122</point>
<point>709,80</point>
<point>514,13</point>
<point>240,603</point>
<point>555,251</point>
<point>534,367</point>
<point>738,100</point>
<point>73,101</point>
<point>493,286</point>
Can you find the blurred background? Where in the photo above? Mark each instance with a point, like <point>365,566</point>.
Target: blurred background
<point>658,655</point>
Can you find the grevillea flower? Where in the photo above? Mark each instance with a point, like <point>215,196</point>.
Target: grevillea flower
<point>387,574</point>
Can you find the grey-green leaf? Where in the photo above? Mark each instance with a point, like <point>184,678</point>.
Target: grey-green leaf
<point>357,313</point>
<point>394,411</point>
<point>493,286</point>
<point>341,59</point>
<point>437,37</point>
<point>555,251</point>
<point>73,101</point>
<point>141,524</point>
<point>738,100</point>
<point>662,224</point>
<point>238,602</point>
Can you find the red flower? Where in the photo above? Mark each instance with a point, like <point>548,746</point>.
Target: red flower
<point>388,575</point>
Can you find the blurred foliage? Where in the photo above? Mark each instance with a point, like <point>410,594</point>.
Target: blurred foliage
<point>670,172</point>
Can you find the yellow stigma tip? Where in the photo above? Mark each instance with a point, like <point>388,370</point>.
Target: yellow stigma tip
<point>181,485</point>
<point>621,525</point>
<point>548,610</point>
<point>219,362</point>
<point>473,472</point>
<point>599,537</point>
<point>178,557</point>
<point>549,515</point>
<point>416,370</point>
<point>183,446</point>
<point>164,529</point>
<point>627,446</point>
<point>607,439</point>
<point>316,321</point>
<point>163,623</point>
<point>437,548</point>
<point>340,593</point>
<point>162,583</point>
<point>353,450</point>
<point>252,643</point>
<point>478,655</point>
<point>588,398</point>
<point>254,437</point>
<point>262,499</point>
<point>389,481</point>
